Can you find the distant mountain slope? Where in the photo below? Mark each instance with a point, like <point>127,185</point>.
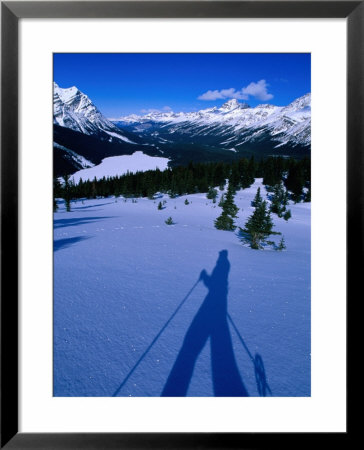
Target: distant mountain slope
<point>233,125</point>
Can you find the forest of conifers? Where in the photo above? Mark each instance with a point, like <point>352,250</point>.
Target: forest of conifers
<point>194,178</point>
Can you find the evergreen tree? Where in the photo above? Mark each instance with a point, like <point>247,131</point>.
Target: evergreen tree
<point>295,180</point>
<point>67,192</point>
<point>187,202</point>
<point>173,191</point>
<point>287,215</point>
<point>160,206</point>
<point>225,222</point>
<point>279,200</point>
<point>212,194</point>
<point>273,171</point>
<point>229,206</point>
<point>234,178</point>
<point>281,245</point>
<point>247,173</point>
<point>229,212</point>
<point>222,200</point>
<point>252,169</point>
<point>169,221</point>
<point>257,199</point>
<point>258,226</point>
<point>94,188</point>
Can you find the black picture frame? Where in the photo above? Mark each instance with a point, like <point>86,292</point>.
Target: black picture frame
<point>11,12</point>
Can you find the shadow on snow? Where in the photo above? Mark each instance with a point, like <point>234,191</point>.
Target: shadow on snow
<point>74,221</point>
<point>96,205</point>
<point>210,322</point>
<point>64,243</point>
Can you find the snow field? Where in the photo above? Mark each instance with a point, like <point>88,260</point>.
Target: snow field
<point>120,273</point>
<point>120,165</point>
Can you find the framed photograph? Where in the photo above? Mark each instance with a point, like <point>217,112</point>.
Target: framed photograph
<point>181,210</point>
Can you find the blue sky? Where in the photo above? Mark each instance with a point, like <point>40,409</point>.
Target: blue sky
<point>125,83</point>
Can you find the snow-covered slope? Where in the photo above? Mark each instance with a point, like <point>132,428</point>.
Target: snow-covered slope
<point>289,124</point>
<point>120,273</point>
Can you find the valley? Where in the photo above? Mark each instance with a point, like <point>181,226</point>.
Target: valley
<point>225,134</point>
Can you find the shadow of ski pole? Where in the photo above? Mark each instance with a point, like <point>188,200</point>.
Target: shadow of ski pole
<point>154,341</point>
<point>259,370</point>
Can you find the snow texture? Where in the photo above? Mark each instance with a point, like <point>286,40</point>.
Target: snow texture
<point>131,317</point>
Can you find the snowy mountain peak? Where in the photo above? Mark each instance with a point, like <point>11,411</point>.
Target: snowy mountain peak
<point>73,109</point>
<point>300,103</point>
<point>233,104</point>
<point>66,95</point>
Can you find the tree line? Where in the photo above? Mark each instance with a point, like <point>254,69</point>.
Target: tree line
<point>195,178</point>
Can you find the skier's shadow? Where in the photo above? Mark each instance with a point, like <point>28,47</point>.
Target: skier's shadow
<point>209,322</point>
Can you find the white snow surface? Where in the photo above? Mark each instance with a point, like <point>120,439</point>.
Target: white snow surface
<point>120,273</point>
<point>120,165</point>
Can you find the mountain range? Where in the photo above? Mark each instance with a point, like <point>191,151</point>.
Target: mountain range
<point>83,136</point>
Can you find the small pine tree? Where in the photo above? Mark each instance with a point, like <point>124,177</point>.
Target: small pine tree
<point>169,221</point>
<point>257,199</point>
<point>258,226</point>
<point>279,200</point>
<point>187,202</point>
<point>160,206</point>
<point>212,194</point>
<point>287,215</point>
<point>225,222</point>
<point>229,212</point>
<point>281,245</point>
<point>229,205</point>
